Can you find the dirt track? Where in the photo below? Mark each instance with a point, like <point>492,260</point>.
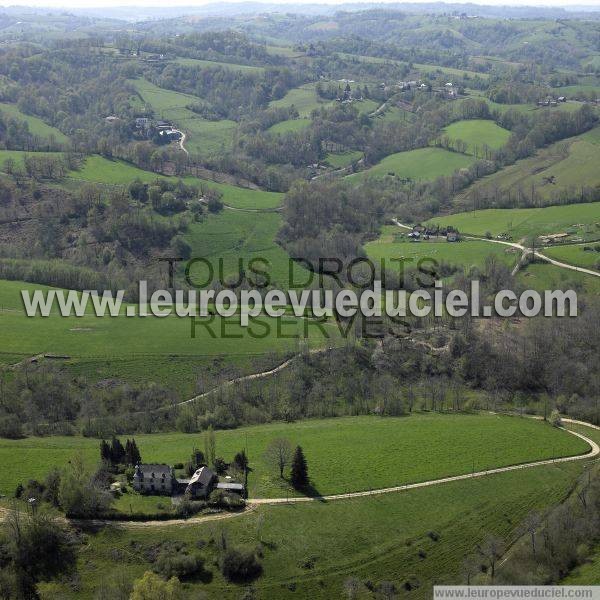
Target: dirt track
<point>253,503</point>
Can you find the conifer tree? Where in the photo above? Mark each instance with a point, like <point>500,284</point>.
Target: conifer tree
<point>299,471</point>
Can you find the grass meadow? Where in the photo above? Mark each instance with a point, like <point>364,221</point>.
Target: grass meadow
<point>420,164</point>
<point>576,254</point>
<point>377,452</point>
<point>36,125</point>
<point>564,166</point>
<point>235,236</point>
<point>304,98</point>
<point>211,64</point>
<point>290,126</point>
<point>477,133</point>
<point>151,348</point>
<point>467,253</point>
<point>204,137</point>
<point>342,159</point>
<point>309,550</point>
<point>521,222</point>
<point>542,276</point>
<point>103,170</point>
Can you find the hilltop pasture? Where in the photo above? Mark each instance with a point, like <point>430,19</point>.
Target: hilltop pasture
<point>420,164</point>
<point>168,350</point>
<point>311,549</point>
<point>478,133</point>
<point>561,169</point>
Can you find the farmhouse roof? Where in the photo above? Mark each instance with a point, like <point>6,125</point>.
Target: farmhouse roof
<point>154,470</point>
<point>203,476</point>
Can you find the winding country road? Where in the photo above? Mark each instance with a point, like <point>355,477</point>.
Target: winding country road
<point>524,249</point>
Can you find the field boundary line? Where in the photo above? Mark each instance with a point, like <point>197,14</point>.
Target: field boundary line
<point>592,453</point>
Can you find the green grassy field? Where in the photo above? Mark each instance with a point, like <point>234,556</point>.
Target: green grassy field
<point>544,276</point>
<point>291,125</point>
<point>102,170</point>
<point>467,253</point>
<point>421,67</point>
<point>18,155</point>
<point>423,163</point>
<point>477,133</point>
<point>204,136</point>
<point>148,349</point>
<point>36,125</point>
<point>310,550</point>
<point>304,98</point>
<point>564,166</point>
<point>235,235</point>
<point>343,159</point>
<point>520,222</point>
<point>377,452</point>
<point>576,255</point>
<point>196,62</point>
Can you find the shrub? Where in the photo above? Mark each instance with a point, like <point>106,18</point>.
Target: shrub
<point>555,420</point>
<point>239,565</point>
<point>188,507</point>
<point>169,564</point>
<point>10,427</point>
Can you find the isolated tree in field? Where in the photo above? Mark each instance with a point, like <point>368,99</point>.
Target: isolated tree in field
<point>299,472</point>
<point>279,454</point>
<point>492,549</point>
<point>198,458</point>
<point>240,461</point>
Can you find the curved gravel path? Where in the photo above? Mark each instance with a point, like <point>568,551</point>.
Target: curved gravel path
<point>253,503</point>
<point>593,452</point>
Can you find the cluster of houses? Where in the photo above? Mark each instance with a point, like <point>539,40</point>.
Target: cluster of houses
<point>159,479</point>
<point>449,89</point>
<point>421,232</point>
<point>551,101</point>
<point>165,129</point>
<point>552,238</point>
